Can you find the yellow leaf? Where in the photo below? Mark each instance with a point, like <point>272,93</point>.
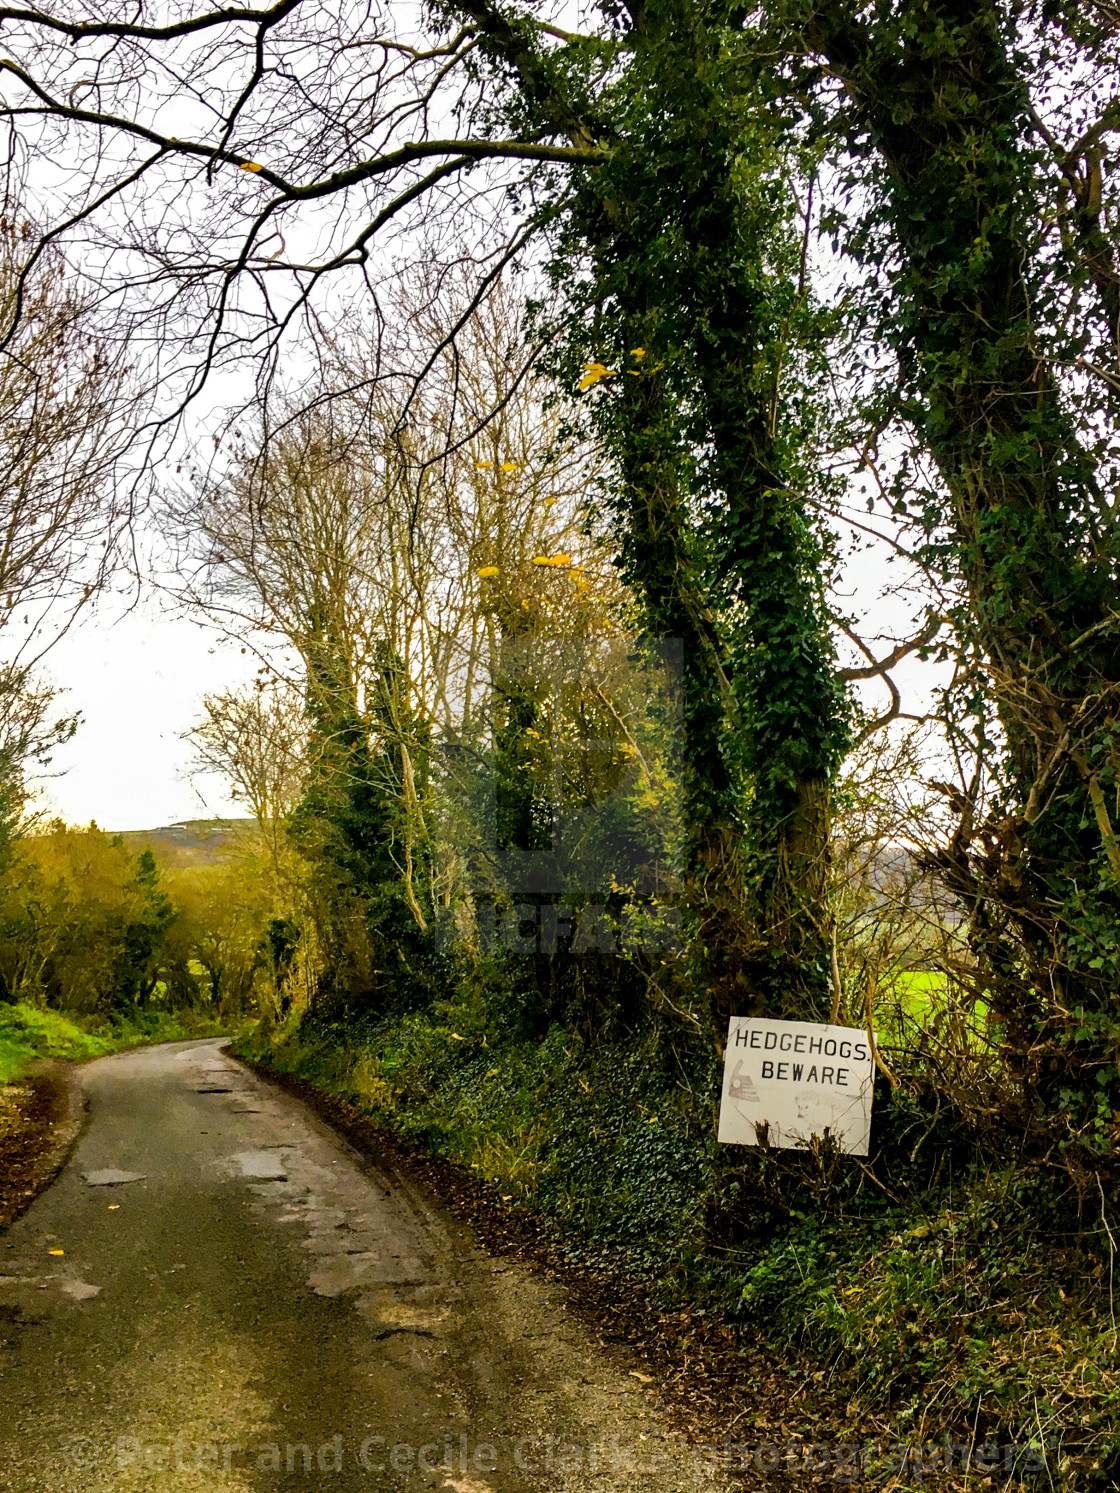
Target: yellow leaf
<point>482,465</point>
<point>560,560</point>
<point>510,466</point>
<point>489,570</point>
<point>637,352</point>
<point>56,1251</point>
<point>525,604</point>
<point>541,560</point>
<point>250,166</point>
<point>551,501</point>
<point>593,372</point>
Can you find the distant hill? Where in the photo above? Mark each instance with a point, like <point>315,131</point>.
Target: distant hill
<point>192,843</point>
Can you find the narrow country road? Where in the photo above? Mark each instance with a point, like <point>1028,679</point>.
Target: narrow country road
<point>217,1292</point>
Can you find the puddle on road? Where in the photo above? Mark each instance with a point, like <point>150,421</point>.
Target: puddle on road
<point>262,1166</point>
<point>80,1290</point>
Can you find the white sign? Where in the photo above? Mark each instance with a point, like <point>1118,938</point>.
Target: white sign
<point>800,1078</point>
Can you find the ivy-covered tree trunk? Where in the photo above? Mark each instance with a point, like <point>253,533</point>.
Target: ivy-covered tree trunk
<point>697,268</point>
<point>693,308</point>
<point>361,822</point>
<point>658,557</point>
<point>939,96</point>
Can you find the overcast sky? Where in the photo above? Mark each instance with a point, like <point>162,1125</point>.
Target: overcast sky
<point>137,677</point>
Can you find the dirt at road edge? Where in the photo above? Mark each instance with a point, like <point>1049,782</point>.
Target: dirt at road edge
<point>41,1117</point>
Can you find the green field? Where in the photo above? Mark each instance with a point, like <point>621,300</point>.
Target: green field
<point>918,987</point>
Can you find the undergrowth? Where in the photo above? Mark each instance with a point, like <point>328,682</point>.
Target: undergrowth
<point>939,1287</point>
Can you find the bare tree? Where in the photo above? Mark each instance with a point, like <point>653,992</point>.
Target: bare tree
<point>237,162</point>
<point>254,740</point>
<point>413,517</point>
<point>65,419</point>
<point>66,404</point>
<point>373,549</point>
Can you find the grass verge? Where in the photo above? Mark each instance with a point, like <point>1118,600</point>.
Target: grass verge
<point>28,1032</point>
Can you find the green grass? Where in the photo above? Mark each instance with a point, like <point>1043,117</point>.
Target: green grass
<point>27,1033</point>
<point>919,986</point>
<point>916,999</point>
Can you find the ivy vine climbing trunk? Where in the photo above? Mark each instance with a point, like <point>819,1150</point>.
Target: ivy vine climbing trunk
<point>692,307</point>
<point>940,99</point>
<point>361,821</point>
<point>689,228</point>
<point>657,553</point>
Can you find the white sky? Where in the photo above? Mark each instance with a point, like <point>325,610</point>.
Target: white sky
<point>137,676</point>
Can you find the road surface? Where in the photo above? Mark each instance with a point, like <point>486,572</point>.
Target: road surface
<point>217,1292</point>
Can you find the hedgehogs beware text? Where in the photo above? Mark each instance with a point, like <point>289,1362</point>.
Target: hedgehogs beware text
<point>786,1081</point>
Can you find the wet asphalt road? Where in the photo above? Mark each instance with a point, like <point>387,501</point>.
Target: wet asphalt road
<point>261,1309</point>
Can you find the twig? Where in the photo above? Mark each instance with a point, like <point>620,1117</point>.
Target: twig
<point>868,1008</point>
<point>1111,1262</point>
